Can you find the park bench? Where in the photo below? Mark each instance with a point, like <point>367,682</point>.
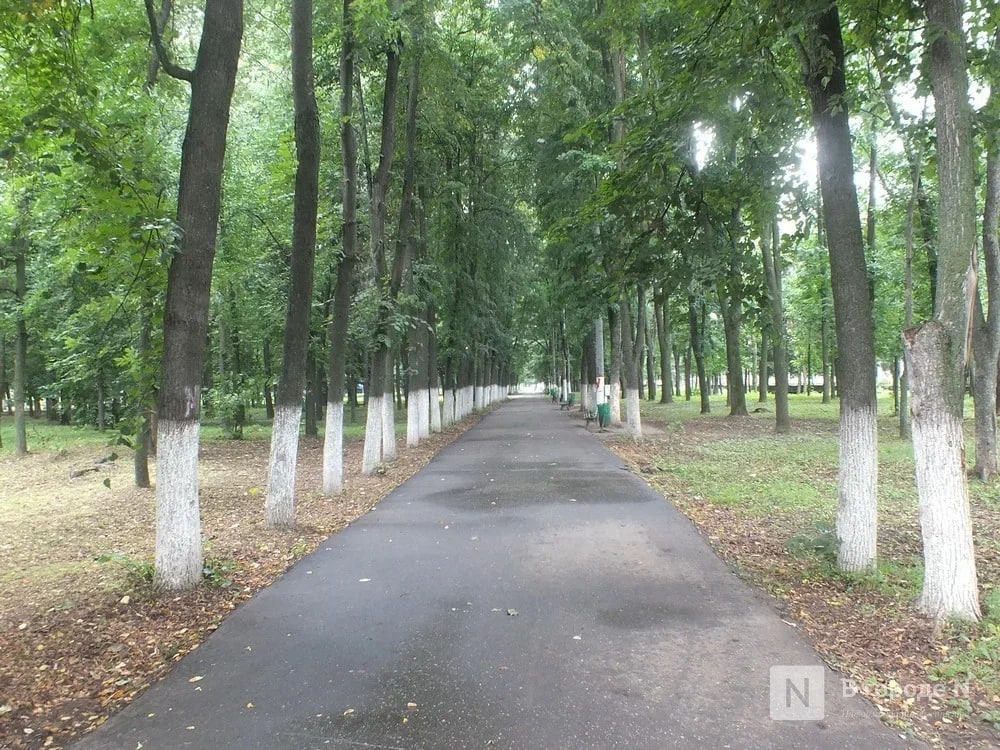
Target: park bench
<point>590,416</point>
<point>568,403</point>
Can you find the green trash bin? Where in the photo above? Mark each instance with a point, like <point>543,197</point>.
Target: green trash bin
<point>603,415</point>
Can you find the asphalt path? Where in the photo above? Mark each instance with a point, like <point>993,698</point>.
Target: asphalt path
<point>523,591</point>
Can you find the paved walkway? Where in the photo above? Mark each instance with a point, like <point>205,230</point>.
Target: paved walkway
<point>524,592</point>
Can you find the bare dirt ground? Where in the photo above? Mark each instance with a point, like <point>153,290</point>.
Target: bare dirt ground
<point>81,632</point>
<point>866,629</point>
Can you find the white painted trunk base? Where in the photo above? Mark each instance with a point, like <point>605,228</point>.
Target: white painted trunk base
<point>179,560</point>
<point>633,425</point>
<point>448,408</point>
<point>333,450</point>
<point>424,414</point>
<point>469,404</point>
<point>950,588</point>
<point>615,399</point>
<point>279,506</point>
<point>413,420</point>
<point>434,404</point>
<point>857,502</point>
<point>388,428</point>
<point>372,456</point>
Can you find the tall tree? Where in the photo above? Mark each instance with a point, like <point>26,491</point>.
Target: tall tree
<point>333,437</point>
<point>936,352</point>
<point>279,509</point>
<point>379,423</point>
<point>185,328</point>
<point>986,324</point>
<point>821,53</point>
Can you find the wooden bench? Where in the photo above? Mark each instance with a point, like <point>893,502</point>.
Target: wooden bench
<point>568,403</point>
<point>590,416</point>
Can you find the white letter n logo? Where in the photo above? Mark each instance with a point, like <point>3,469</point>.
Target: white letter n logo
<point>797,693</point>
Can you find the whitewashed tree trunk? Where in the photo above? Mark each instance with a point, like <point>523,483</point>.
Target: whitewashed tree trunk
<point>633,420</point>
<point>279,506</point>
<point>448,408</point>
<point>413,420</point>
<point>615,400</point>
<point>179,559</point>
<point>858,480</point>
<point>424,413</point>
<point>434,404</point>
<point>333,450</point>
<point>388,427</point>
<point>950,588</point>
<point>372,457</point>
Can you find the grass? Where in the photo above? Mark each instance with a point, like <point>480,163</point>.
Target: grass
<point>51,437</point>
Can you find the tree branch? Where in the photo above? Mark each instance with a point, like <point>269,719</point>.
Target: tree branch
<point>175,71</point>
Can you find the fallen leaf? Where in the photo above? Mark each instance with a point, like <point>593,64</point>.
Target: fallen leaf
<point>512,612</point>
<point>197,678</point>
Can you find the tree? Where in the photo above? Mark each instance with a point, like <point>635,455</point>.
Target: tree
<point>380,437</point>
<point>333,437</point>
<point>280,503</point>
<point>178,523</point>
<point>936,351</point>
<point>986,324</point>
<point>821,53</point>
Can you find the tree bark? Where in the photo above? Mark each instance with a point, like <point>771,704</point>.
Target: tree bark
<point>770,247</point>
<point>20,349</point>
<point>140,461</point>
<point>185,328</point>
<point>822,57</point>
<point>986,324</point>
<point>333,436</point>
<point>698,350</point>
<point>615,375</point>
<point>632,350</point>
<point>380,441</point>
<point>937,351</point>
<point>661,314</point>
<point>279,507</point>
<point>762,379</point>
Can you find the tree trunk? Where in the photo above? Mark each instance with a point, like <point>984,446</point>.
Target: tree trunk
<point>418,415</point>
<point>661,315</point>
<point>771,253</point>
<point>615,375</point>
<point>268,381</point>
<point>762,379</point>
<point>632,350</point>
<point>311,397</point>
<point>279,508</point>
<point>823,66</point>
<point>698,350</point>
<point>3,381</point>
<point>140,464</point>
<point>677,373</point>
<point>381,400</point>
<point>986,325</point>
<point>333,436</point>
<point>936,352</point>
<point>732,313</point>
<point>433,382</point>
<point>599,362</point>
<point>650,368</point>
<point>185,327</point>
<point>20,351</point>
